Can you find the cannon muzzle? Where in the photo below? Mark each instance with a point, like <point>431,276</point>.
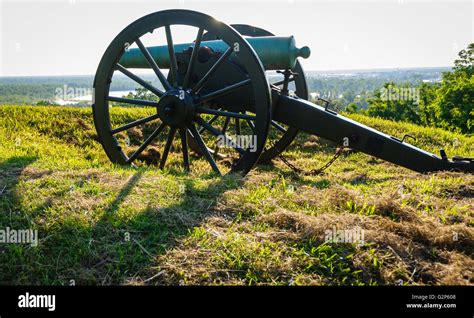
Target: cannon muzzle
<point>275,52</point>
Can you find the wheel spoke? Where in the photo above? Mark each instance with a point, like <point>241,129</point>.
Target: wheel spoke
<point>223,91</point>
<point>213,119</point>
<point>140,102</point>
<point>140,81</point>
<point>218,133</point>
<point>226,124</point>
<point>224,129</point>
<point>204,149</point>
<point>211,71</point>
<point>184,145</point>
<point>251,125</point>
<point>153,65</point>
<point>192,61</point>
<point>166,151</point>
<point>278,126</point>
<point>237,126</point>
<point>134,123</point>
<point>210,111</point>
<point>146,143</point>
<point>173,63</point>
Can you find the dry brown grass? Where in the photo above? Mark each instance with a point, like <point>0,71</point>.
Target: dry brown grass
<point>412,246</point>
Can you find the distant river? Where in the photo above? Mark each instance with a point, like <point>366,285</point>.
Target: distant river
<point>88,98</point>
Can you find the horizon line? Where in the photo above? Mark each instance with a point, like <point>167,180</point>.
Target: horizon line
<point>311,70</point>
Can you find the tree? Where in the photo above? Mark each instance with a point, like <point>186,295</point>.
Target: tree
<point>465,62</point>
<point>454,102</point>
<point>425,104</point>
<point>352,108</point>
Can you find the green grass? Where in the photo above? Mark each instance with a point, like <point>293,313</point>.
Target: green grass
<point>103,224</point>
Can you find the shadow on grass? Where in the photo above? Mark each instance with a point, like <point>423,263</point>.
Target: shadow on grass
<point>116,244</point>
<point>10,172</point>
<point>11,254</point>
<point>131,246</point>
<point>124,192</point>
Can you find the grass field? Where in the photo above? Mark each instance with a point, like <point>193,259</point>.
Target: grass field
<point>102,224</point>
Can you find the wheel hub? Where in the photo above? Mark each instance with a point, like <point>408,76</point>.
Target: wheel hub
<point>176,107</point>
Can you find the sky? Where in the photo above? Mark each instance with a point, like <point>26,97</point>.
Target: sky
<point>69,37</point>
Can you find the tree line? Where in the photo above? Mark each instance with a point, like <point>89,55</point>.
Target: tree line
<point>448,104</point>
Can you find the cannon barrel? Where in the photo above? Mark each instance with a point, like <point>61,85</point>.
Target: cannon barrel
<point>275,52</point>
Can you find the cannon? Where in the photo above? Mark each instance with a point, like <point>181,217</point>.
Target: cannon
<point>212,95</point>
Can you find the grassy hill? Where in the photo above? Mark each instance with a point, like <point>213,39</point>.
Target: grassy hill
<point>102,224</point>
